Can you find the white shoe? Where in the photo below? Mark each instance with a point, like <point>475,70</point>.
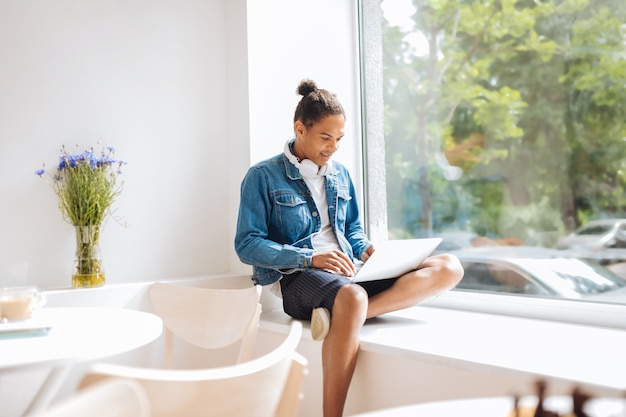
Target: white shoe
<point>320,323</point>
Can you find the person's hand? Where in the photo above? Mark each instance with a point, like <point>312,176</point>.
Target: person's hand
<point>368,252</point>
<point>334,261</point>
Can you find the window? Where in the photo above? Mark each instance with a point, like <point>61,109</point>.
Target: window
<point>500,125</point>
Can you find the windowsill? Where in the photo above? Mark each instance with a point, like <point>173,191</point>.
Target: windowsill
<point>584,354</point>
<point>559,310</point>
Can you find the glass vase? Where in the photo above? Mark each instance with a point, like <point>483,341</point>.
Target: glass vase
<point>88,271</point>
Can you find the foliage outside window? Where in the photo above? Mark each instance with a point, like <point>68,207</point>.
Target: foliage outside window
<point>504,120</point>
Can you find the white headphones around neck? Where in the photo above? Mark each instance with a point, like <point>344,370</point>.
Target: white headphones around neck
<point>307,168</point>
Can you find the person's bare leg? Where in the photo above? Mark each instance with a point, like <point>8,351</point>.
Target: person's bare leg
<point>437,274</point>
<point>341,347</point>
<point>351,308</point>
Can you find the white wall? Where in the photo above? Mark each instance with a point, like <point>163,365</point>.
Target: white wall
<point>148,78</point>
<point>173,86</point>
<point>292,40</point>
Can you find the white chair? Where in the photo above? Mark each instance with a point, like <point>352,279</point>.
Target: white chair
<point>110,398</point>
<point>210,318</point>
<point>268,386</point>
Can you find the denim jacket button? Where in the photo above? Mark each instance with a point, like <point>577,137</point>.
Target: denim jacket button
<point>314,214</point>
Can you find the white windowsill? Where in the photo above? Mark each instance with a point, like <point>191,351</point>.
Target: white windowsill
<point>559,310</point>
<point>581,353</point>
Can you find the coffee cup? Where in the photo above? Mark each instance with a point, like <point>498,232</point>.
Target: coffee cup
<point>19,303</point>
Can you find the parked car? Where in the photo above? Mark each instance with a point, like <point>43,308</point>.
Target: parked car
<point>538,271</point>
<point>597,235</point>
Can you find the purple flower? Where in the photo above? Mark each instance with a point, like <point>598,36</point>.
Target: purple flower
<point>89,179</point>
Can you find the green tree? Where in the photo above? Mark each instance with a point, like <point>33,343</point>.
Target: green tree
<point>540,84</point>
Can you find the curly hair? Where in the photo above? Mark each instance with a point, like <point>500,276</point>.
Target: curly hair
<point>315,104</point>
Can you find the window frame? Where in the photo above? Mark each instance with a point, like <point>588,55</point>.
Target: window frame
<point>370,62</point>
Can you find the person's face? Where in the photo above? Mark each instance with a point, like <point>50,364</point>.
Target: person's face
<point>319,142</point>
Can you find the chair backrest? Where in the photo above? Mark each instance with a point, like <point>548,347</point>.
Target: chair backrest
<point>210,318</point>
<point>109,398</point>
<point>268,386</point>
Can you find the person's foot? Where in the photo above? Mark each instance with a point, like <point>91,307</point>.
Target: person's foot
<point>320,323</point>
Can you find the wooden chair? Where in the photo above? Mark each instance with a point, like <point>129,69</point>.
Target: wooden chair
<point>268,386</point>
<point>210,318</point>
<point>110,398</point>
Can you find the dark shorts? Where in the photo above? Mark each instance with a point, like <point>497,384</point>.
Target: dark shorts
<point>312,288</point>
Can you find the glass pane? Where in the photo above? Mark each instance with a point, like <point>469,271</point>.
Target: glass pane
<point>505,125</point>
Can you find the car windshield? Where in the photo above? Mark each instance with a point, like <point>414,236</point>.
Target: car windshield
<point>596,229</point>
<point>573,275</point>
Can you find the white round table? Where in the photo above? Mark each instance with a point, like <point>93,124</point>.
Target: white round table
<point>76,334</point>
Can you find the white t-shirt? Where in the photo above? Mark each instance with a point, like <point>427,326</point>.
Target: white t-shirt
<point>325,239</point>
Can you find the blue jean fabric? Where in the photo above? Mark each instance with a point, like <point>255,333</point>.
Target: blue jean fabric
<point>277,216</point>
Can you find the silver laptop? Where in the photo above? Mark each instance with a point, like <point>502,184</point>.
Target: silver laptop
<point>394,258</point>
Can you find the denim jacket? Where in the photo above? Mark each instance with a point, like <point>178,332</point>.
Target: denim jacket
<point>277,216</point>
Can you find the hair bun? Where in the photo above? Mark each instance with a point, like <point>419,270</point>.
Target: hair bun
<point>306,87</point>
